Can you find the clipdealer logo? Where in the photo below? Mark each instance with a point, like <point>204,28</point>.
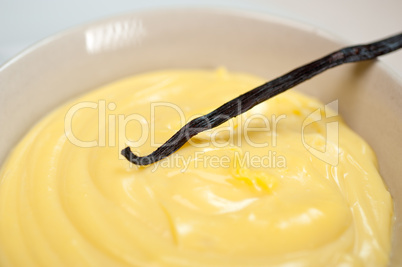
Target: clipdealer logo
<point>330,154</point>
<point>112,127</point>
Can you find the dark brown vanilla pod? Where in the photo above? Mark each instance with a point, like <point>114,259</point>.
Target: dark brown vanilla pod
<point>263,92</point>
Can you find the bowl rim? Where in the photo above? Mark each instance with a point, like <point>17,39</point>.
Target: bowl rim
<point>262,15</point>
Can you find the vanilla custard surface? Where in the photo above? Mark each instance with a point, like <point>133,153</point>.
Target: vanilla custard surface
<point>268,188</point>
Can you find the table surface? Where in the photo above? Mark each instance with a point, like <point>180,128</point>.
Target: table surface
<point>25,22</point>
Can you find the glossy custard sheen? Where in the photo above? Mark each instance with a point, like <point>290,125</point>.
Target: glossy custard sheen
<point>277,186</point>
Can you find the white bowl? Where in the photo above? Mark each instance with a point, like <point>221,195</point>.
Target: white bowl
<point>81,59</point>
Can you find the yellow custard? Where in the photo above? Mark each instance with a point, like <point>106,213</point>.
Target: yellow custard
<point>285,184</point>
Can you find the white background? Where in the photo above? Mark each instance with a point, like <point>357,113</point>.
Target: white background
<point>24,22</point>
